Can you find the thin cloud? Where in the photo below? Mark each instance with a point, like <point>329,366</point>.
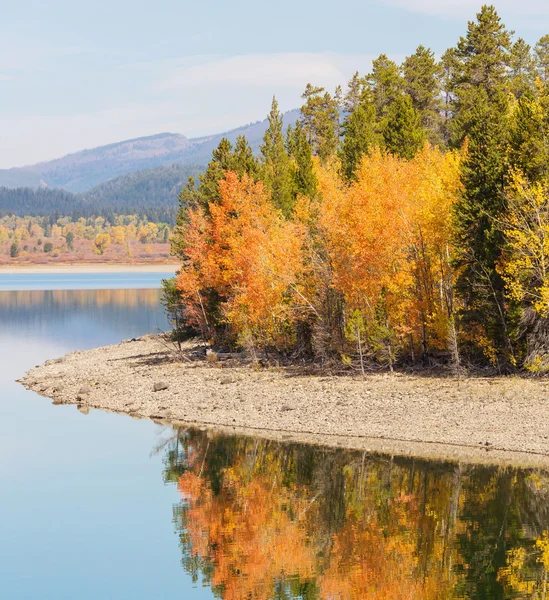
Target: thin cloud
<point>274,70</point>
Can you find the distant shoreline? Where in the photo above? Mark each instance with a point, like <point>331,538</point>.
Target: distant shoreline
<point>87,268</point>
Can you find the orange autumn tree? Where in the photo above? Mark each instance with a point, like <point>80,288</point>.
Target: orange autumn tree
<point>362,266</point>
<point>387,237</point>
<point>240,277</point>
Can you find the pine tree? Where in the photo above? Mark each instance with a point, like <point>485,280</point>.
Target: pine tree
<point>320,120</point>
<point>481,116</point>
<point>355,89</point>
<point>541,59</point>
<point>483,56</point>
<point>276,167</point>
<point>305,182</point>
<point>385,83</point>
<point>521,68</point>
<point>360,136</point>
<point>450,68</point>
<point>422,83</point>
<point>243,160</point>
<point>221,161</point>
<point>528,148</point>
<point>402,132</point>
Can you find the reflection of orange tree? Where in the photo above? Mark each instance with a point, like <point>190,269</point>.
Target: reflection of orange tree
<point>122,298</point>
<point>263,520</point>
<point>253,532</point>
<point>266,527</point>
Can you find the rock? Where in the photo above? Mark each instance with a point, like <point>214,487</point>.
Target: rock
<point>85,410</point>
<point>211,357</point>
<point>85,389</point>
<point>159,386</point>
<point>226,380</point>
<point>286,408</point>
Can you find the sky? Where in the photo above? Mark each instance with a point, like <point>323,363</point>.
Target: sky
<point>76,75</point>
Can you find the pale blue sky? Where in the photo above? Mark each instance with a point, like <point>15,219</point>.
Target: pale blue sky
<point>75,75</point>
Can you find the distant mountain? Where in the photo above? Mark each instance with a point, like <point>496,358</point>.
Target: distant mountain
<point>82,171</point>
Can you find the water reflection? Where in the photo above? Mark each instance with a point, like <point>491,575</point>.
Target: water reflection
<point>116,310</point>
<point>259,519</point>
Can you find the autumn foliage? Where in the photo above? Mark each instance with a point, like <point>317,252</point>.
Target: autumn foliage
<point>365,263</point>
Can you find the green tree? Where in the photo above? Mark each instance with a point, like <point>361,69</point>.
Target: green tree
<point>482,115</point>
<point>422,83</point>
<point>300,150</point>
<point>320,120</point>
<point>385,83</point>
<point>529,123</point>
<point>360,135</point>
<point>14,250</point>
<point>402,132</point>
<point>482,56</point>
<point>522,70</point>
<point>450,68</point>
<point>48,247</point>
<point>541,58</point>
<point>355,90</point>
<point>276,167</point>
<point>69,239</point>
<point>243,160</point>
<point>221,161</point>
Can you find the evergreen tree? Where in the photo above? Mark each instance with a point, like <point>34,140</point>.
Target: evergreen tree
<point>385,83</point>
<point>355,89</point>
<point>243,160</point>
<point>482,111</point>
<point>482,56</point>
<point>541,59</point>
<point>422,83</point>
<point>522,70</point>
<point>360,129</point>
<point>320,120</point>
<point>221,162</point>
<point>529,123</point>
<point>300,150</point>
<point>402,132</point>
<point>450,68</point>
<point>14,250</point>
<point>276,167</point>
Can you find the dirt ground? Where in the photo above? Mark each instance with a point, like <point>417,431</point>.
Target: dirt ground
<point>491,420</point>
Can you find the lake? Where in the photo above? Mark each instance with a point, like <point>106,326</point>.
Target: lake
<point>103,506</point>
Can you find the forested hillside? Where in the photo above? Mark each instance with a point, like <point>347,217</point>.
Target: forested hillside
<point>413,229</point>
<point>151,192</point>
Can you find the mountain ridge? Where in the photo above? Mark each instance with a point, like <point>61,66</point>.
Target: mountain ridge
<point>86,169</point>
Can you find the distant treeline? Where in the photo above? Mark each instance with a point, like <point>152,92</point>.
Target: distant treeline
<point>151,194</point>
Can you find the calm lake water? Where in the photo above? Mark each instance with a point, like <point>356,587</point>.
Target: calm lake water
<point>102,506</point>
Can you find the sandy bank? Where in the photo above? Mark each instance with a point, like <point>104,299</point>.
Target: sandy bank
<point>88,268</point>
<point>487,420</point>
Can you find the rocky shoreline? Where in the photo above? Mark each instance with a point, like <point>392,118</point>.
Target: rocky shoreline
<point>489,420</point>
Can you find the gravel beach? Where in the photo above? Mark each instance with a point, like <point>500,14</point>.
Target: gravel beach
<point>489,420</point>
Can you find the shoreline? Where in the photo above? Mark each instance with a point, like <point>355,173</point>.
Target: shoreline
<point>56,269</point>
<point>475,420</point>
